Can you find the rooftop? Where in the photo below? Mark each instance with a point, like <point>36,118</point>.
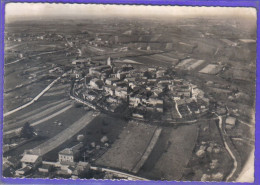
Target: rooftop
<point>30,158</point>
<point>72,150</point>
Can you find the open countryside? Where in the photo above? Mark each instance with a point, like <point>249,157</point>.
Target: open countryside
<point>135,98</point>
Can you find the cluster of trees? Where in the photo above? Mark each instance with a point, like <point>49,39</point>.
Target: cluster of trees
<point>27,131</point>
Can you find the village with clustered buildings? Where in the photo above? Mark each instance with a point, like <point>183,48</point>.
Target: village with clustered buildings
<point>150,95</point>
<point>133,99</point>
<point>138,93</point>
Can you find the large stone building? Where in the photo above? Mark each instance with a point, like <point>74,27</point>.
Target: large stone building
<point>70,155</point>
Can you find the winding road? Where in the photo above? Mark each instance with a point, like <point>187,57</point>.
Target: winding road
<point>232,155</point>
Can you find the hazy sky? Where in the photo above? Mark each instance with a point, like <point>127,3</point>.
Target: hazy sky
<point>45,9</point>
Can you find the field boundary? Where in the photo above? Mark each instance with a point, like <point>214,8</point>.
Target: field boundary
<point>63,136</point>
<point>148,150</point>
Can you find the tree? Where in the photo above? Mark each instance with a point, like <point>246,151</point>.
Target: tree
<point>27,131</point>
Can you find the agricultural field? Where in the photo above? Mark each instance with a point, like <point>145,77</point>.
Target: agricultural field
<point>48,128</point>
<point>102,125</point>
<point>170,155</point>
<point>244,148</point>
<point>23,95</point>
<point>212,69</point>
<point>150,60</point>
<point>163,57</point>
<point>129,147</point>
<point>174,148</point>
<point>239,74</point>
<point>189,64</point>
<point>127,61</point>
<point>209,147</point>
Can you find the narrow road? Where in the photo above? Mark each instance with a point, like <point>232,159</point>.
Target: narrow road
<point>118,173</point>
<point>41,120</point>
<point>245,140</point>
<point>223,130</point>
<point>18,60</point>
<point>36,116</point>
<point>44,53</point>
<point>13,46</point>
<point>33,100</point>
<point>177,109</point>
<point>247,124</point>
<point>26,115</point>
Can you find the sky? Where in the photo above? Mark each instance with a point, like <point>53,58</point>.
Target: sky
<point>47,9</point>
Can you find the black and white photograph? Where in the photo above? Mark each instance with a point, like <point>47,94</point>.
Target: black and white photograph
<point>129,92</point>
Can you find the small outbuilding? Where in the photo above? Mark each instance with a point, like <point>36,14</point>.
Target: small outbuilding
<point>31,160</point>
<point>230,122</point>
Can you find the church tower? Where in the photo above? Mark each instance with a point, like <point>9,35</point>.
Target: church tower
<point>109,61</point>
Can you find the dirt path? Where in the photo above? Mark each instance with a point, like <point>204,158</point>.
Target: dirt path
<point>44,53</point>
<point>18,60</point>
<point>40,121</point>
<point>245,140</point>
<point>232,155</point>
<point>177,109</point>
<point>18,118</point>
<point>42,108</point>
<point>36,115</point>
<point>33,100</point>
<point>247,124</point>
<point>13,46</point>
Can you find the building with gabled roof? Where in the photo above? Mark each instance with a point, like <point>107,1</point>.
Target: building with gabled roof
<point>31,159</point>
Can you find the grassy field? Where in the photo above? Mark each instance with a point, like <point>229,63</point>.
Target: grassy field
<point>102,125</point>
<point>242,131</point>
<point>24,82</point>
<point>190,64</point>
<point>196,64</point>
<point>166,58</point>
<point>41,115</point>
<point>185,63</point>
<point>211,69</point>
<point>49,129</point>
<point>128,149</point>
<point>244,149</point>
<point>171,155</point>
<point>42,102</point>
<point>65,135</point>
<point>150,60</point>
<point>209,136</point>
<point>240,74</point>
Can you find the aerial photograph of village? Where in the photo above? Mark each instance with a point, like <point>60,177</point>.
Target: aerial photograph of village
<point>129,92</point>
